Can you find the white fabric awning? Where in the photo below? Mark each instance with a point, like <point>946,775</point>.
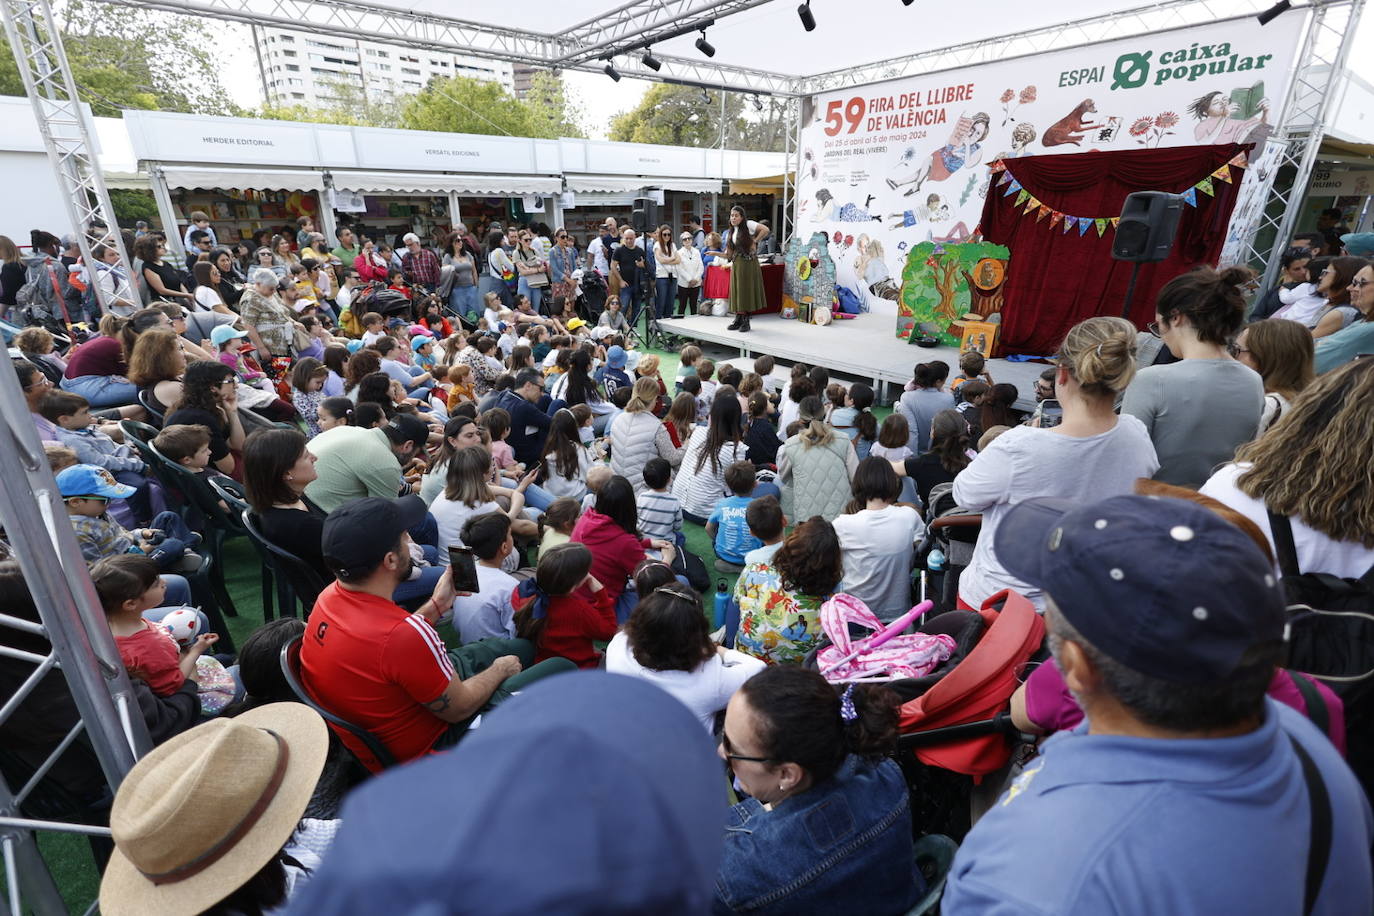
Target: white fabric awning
<point>635,183</point>
<point>441,183</point>
<point>243,179</point>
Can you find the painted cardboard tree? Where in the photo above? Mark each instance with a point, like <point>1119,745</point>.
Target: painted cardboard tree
<point>817,280</point>
<point>935,287</point>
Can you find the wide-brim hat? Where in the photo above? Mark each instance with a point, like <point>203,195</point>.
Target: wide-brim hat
<point>203,812</point>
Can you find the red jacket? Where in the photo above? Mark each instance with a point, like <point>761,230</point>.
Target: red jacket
<point>575,620</point>
<point>369,270</point>
<point>615,553</point>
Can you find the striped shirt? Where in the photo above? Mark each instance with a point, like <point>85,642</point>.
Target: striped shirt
<point>660,514</point>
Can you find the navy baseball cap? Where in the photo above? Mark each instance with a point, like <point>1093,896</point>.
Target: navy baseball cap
<point>1163,586</point>
<point>358,534</point>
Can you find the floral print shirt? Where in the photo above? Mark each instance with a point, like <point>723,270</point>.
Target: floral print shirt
<point>775,625</point>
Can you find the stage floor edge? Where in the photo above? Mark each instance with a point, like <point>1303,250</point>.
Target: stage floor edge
<point>865,347</point>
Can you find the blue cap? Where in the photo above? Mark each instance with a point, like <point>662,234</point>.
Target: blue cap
<point>354,345</point>
<point>419,340</point>
<point>1359,244</point>
<point>89,480</point>
<point>226,332</point>
<point>615,357</point>
<point>586,793</point>
<point>1163,586</point>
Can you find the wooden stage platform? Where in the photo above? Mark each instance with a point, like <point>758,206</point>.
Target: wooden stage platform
<point>865,348</point>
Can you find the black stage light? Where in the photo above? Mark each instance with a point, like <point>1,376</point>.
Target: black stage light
<point>612,72</point>
<point>704,46</point>
<point>808,20</point>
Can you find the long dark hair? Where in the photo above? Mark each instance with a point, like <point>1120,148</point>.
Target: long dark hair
<point>799,721</point>
<point>741,240</point>
<point>267,456</point>
<point>997,409</point>
<point>375,388</point>
<point>560,570</point>
<point>931,374</point>
<point>864,421</point>
<point>563,444</point>
<point>360,364</point>
<point>950,440</point>
<point>199,384</point>
<point>581,386</point>
<point>616,501</point>
<point>723,427</point>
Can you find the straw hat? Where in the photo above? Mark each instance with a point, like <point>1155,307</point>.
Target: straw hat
<point>205,811</point>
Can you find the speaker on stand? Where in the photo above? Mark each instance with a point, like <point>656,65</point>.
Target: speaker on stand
<point>1145,233</point>
<point>644,219</point>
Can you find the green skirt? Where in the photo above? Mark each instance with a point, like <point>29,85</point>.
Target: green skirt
<point>746,285</point>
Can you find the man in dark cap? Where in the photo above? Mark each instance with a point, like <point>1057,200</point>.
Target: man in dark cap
<point>1185,790</point>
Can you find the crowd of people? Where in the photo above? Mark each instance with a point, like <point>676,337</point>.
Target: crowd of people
<point>496,462</point>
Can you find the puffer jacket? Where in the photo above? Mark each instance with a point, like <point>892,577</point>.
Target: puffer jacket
<point>815,479</point>
<point>635,439</point>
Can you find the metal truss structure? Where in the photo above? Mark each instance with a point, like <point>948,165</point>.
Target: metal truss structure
<point>29,505</point>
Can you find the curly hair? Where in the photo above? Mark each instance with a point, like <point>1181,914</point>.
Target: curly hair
<point>809,560</point>
<point>199,387</point>
<point>360,364</point>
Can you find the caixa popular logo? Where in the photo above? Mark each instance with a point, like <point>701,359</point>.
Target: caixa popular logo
<point>1185,65</point>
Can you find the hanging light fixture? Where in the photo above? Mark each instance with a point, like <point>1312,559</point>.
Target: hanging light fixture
<point>804,13</point>
<point>653,63</point>
<point>612,72</point>
<point>704,46</point>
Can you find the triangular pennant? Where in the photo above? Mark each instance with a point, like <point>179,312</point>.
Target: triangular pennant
<point>1190,197</point>
<point>1055,218</point>
<point>1240,160</point>
<point>1101,225</point>
<point>1012,188</point>
<point>1006,177</point>
<point>1043,212</point>
<point>1032,204</point>
<point>1069,223</point>
<point>1021,197</point>
<point>1116,220</point>
<point>1084,224</point>
<point>1205,186</point>
<point>998,166</point>
<point>1224,173</point>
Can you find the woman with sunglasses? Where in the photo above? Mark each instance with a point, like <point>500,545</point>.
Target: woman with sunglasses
<point>562,263</point>
<point>690,271</point>
<point>532,269</point>
<point>809,755</point>
<point>1345,283</point>
<point>209,398</point>
<point>1199,409</point>
<point>666,261</point>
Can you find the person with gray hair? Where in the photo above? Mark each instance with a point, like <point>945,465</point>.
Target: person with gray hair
<point>269,322</point>
<point>419,264</point>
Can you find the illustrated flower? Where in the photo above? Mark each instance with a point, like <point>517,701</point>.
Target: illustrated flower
<point>1027,95</point>
<point>1007,96</point>
<point>1165,120</point>
<point>1141,125</point>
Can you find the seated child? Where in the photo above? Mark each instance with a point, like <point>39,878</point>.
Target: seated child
<point>87,490</point>
<point>231,344</point>
<point>611,320</point>
<point>307,391</point>
<point>557,523</point>
<point>763,367</point>
<point>422,349</point>
<point>691,385</point>
<point>59,457</point>
<point>759,435</point>
<point>564,608</point>
<point>129,588</point>
<point>855,418</point>
<point>972,366</point>
<point>687,364</point>
<point>460,386</point>
<point>374,328</point>
<point>969,403</point>
<point>396,280</point>
<point>597,477</point>
<point>705,369</point>
<point>76,429</point>
<point>766,522</point>
<point>487,612</point>
<point>893,436</point>
<point>497,424</point>
<point>727,523</point>
<point>660,513</point>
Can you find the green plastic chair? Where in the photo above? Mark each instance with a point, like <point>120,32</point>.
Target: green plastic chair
<point>934,855</point>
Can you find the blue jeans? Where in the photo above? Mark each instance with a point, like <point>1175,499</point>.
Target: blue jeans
<point>102,390</point>
<point>629,302</point>
<point>464,300</point>
<point>420,587</point>
<point>535,293</point>
<point>427,532</point>
<point>665,296</point>
<point>767,489</point>
<point>629,599</point>
<point>178,591</point>
<point>179,539</point>
<point>536,497</point>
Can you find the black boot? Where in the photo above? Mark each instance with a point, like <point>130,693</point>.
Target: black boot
<point>744,325</point>
<point>737,323</point>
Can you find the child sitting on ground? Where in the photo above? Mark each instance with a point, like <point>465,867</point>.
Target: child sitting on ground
<point>705,369</point>
<point>497,424</point>
<point>487,612</point>
<point>76,429</point>
<point>611,320</point>
<point>763,368</point>
<point>596,479</point>
<point>767,523</point>
<point>557,523</point>
<point>691,385</point>
<point>855,419</point>
<point>892,439</point>
<point>129,587</point>
<point>760,437</point>
<point>727,524</point>
<point>969,403</point>
<point>660,514</point>
<point>564,608</point>
<point>972,366</point>
<point>87,490</point>
<point>835,401</point>
<point>687,364</point>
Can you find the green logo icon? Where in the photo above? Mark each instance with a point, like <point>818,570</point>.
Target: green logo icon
<point>1131,71</point>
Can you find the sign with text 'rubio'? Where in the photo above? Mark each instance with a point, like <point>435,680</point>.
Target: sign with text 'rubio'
<point>892,165</point>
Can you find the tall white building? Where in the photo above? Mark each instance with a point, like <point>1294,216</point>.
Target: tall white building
<point>301,68</point>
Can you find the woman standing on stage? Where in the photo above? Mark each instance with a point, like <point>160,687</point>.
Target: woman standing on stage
<point>746,279</point>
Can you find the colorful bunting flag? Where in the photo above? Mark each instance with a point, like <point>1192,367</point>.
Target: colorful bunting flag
<point>1013,187</point>
<point>1031,205</point>
<point>998,166</point>
<point>1190,197</point>
<point>1240,160</point>
<point>1101,225</point>
<point>1069,223</point>
<point>1205,186</point>
<point>1055,218</point>
<point>1116,221</point>
<point>1224,173</point>
<point>1084,224</point>
<point>1021,198</point>
<point>1026,202</point>
<point>1006,177</point>
<point>1044,212</point>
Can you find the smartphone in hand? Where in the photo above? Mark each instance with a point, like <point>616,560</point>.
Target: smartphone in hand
<point>464,565</point>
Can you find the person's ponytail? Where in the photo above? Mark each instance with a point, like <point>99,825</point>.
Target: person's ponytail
<point>1211,300</point>
<point>817,431</point>
<point>871,731</point>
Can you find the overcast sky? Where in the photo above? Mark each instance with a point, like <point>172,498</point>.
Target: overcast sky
<point>770,37</point>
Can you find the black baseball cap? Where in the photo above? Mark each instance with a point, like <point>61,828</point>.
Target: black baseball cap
<point>404,428</point>
<point>358,534</point>
<point>1163,586</point>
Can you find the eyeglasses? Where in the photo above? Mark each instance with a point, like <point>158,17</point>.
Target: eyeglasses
<point>730,751</point>
<point>1360,284</point>
<point>1236,349</point>
<point>1153,328</point>
<point>103,499</point>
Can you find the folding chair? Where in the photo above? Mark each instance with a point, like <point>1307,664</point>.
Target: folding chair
<point>231,492</point>
<point>291,670</point>
<point>145,400</point>
<point>296,579</point>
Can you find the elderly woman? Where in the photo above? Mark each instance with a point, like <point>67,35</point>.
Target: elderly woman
<point>780,601</point>
<point>816,466</point>
<point>808,756</point>
<point>637,435</point>
<point>270,322</point>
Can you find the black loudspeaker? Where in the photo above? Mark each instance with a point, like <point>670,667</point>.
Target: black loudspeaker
<point>1149,222</point>
<point>644,218</point>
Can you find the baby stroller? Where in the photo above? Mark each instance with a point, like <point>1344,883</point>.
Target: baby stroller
<point>952,530</point>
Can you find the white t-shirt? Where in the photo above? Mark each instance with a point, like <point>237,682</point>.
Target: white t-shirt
<point>207,297</point>
<point>661,269</point>
<point>574,487</point>
<point>1025,463</point>
<point>487,613</point>
<point>452,516</point>
<point>876,547</point>
<point>1316,552</point>
<point>598,252</point>
<point>704,691</point>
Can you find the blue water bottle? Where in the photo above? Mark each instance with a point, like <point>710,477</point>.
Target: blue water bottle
<point>935,560</point>
<point>722,601</point>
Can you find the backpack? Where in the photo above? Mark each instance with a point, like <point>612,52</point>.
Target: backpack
<point>41,292</point>
<point>1331,637</point>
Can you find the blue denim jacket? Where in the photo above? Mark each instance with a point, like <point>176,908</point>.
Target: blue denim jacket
<point>844,846</point>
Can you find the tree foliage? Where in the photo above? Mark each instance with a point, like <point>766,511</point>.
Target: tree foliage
<point>131,205</point>
<point>935,287</point>
<point>682,116</point>
<point>124,57</point>
<point>467,106</point>
<point>350,106</point>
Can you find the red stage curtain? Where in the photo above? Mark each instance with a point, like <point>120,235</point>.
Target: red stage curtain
<point>1056,279</point>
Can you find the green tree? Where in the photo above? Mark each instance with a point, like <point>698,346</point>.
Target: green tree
<point>466,106</point>
<point>681,116</point>
<point>124,57</point>
<point>131,205</point>
<point>552,108</point>
<point>349,105</point>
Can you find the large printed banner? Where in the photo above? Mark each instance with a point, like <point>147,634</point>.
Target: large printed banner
<point>900,169</point>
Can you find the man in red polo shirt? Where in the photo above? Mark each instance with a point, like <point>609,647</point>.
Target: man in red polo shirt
<point>385,669</point>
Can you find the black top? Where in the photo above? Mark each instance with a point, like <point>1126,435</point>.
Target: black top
<point>171,278</point>
<point>926,471</point>
<point>763,442</point>
<point>12,276</point>
<point>299,532</point>
<point>229,292</point>
<point>194,416</point>
<point>628,258</point>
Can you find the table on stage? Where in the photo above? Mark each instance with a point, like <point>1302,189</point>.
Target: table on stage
<point>717,286</point>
